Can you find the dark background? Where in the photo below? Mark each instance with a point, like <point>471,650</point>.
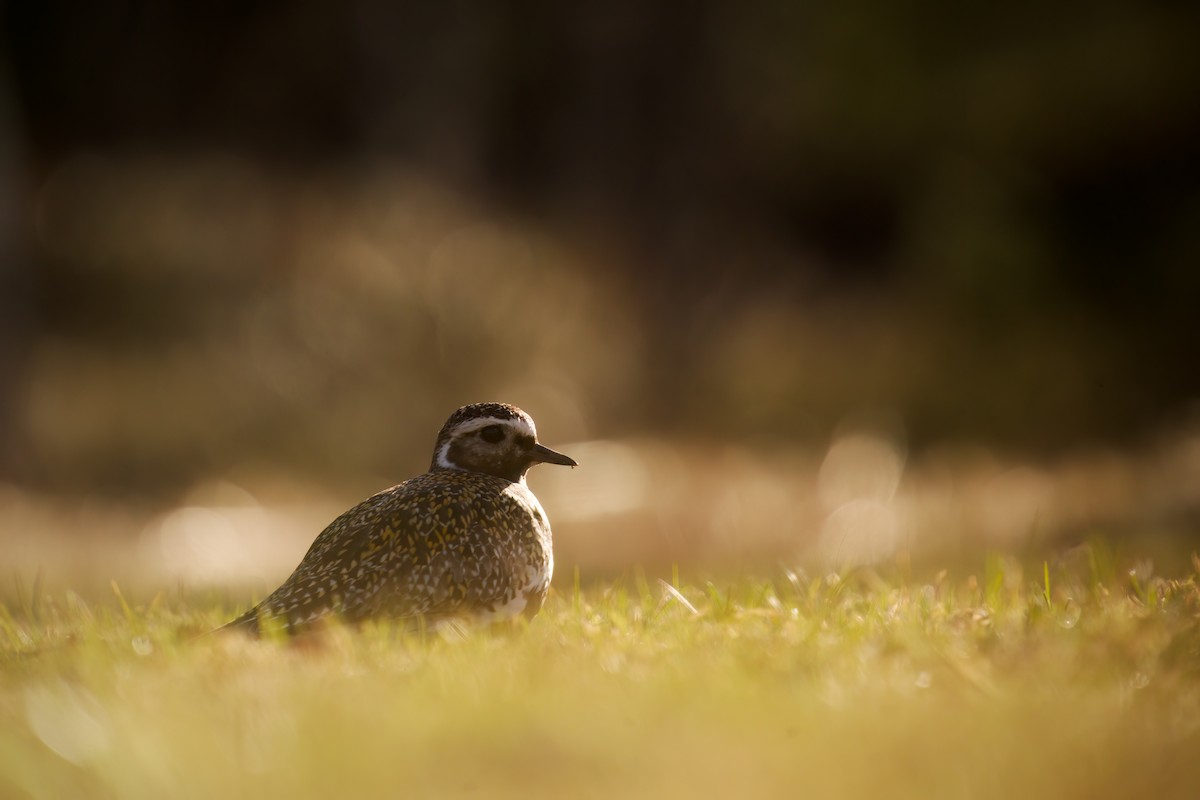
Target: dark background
<point>983,219</point>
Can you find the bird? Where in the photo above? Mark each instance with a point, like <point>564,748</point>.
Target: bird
<point>465,541</point>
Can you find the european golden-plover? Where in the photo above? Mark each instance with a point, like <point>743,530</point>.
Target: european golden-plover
<point>465,540</point>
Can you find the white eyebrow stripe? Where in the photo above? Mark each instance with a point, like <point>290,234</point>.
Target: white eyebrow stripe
<point>521,426</point>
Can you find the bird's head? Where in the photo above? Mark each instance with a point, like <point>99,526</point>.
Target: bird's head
<point>495,439</point>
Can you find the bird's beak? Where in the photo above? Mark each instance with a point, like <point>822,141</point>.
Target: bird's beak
<point>544,455</point>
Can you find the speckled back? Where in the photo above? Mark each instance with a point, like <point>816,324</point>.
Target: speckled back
<point>445,543</point>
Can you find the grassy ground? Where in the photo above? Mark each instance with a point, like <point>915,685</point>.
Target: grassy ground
<point>1076,678</point>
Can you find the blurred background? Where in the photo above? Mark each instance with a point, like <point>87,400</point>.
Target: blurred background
<point>792,281</point>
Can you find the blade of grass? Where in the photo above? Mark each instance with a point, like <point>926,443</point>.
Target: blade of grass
<point>671,593</point>
<point>1046,591</point>
<point>129,615</point>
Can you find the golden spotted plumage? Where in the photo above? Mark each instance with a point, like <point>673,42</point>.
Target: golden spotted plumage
<point>465,539</point>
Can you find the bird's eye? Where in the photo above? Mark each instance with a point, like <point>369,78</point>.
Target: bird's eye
<point>492,433</point>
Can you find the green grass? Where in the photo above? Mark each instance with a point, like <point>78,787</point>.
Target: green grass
<point>1069,679</point>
